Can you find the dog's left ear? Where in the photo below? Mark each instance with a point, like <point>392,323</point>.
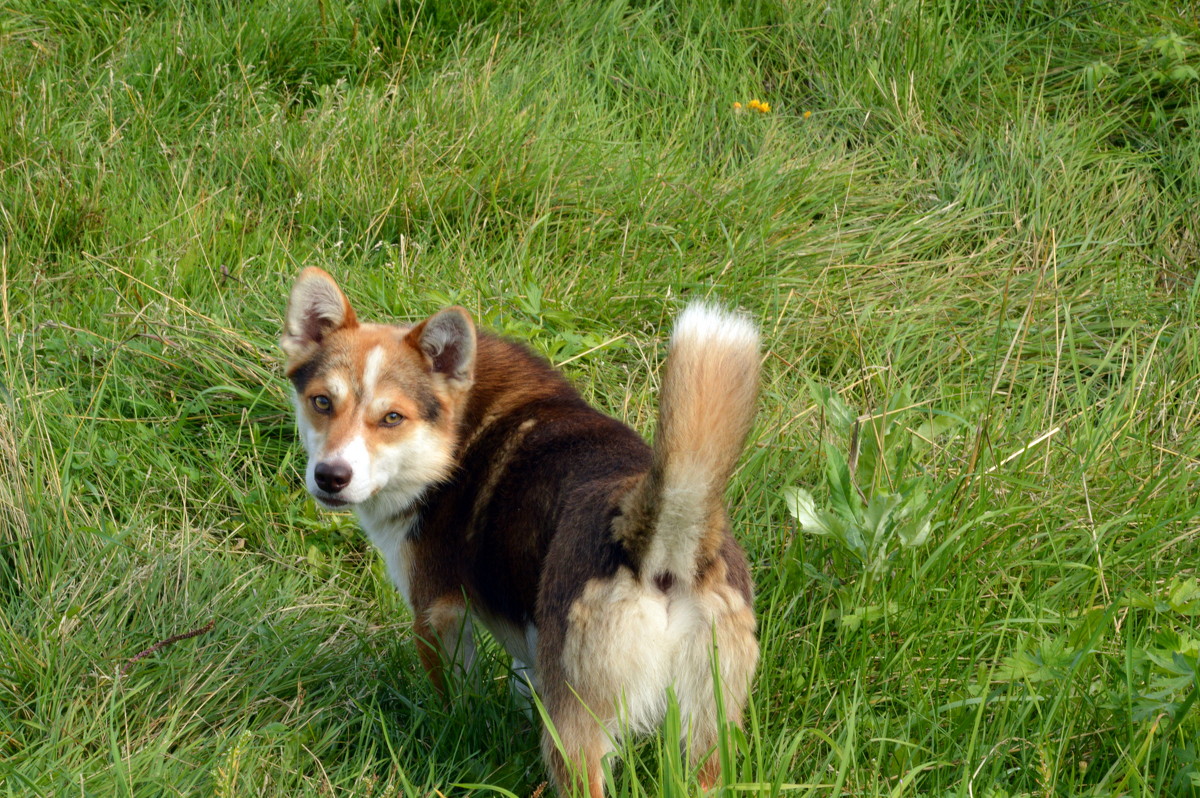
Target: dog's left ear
<point>447,340</point>
<point>316,308</point>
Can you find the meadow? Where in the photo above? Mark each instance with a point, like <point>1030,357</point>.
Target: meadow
<point>969,230</point>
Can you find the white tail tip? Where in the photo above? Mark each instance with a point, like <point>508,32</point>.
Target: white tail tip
<point>703,322</point>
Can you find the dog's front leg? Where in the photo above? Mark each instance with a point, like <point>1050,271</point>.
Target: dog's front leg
<point>445,643</point>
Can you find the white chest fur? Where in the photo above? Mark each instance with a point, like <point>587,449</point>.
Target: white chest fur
<point>391,537</point>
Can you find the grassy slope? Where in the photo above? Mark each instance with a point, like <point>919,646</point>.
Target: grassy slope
<point>976,217</point>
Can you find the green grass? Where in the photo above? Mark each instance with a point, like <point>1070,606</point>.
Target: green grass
<point>981,214</point>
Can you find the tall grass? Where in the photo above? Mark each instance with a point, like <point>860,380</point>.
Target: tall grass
<point>971,226</point>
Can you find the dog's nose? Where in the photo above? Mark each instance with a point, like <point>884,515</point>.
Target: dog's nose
<point>332,477</point>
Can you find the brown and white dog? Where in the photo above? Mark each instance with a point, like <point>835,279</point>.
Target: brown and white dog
<point>605,567</point>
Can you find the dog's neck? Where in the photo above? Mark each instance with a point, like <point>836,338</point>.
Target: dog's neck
<point>393,513</point>
<point>507,377</point>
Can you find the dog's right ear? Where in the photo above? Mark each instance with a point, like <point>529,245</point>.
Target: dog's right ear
<point>315,308</point>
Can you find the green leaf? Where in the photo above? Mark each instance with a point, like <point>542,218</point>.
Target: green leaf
<point>915,519</point>
<point>872,447</point>
<point>937,423</point>
<point>878,516</point>
<point>850,621</point>
<point>1095,73</point>
<point>839,415</point>
<point>1170,46</point>
<point>1050,660</point>
<point>915,532</point>
<point>1184,596</point>
<point>851,536</point>
<point>1182,73</point>
<point>802,507</point>
<point>842,493</point>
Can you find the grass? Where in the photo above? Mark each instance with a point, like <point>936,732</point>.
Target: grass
<point>982,215</point>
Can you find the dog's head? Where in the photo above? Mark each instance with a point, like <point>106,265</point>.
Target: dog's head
<point>377,405</point>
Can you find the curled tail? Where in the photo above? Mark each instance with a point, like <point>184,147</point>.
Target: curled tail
<point>673,521</point>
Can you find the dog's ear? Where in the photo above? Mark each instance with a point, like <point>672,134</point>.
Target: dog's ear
<point>315,308</point>
<point>447,340</point>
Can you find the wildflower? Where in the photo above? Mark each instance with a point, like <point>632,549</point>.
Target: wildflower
<point>807,114</point>
<point>756,105</point>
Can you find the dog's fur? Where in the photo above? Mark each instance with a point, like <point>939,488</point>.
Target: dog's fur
<point>493,491</point>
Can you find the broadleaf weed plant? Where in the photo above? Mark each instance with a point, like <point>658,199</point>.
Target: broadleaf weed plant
<point>1155,687</point>
<point>879,504</point>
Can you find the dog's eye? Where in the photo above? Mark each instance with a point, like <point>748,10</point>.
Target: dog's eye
<point>322,404</point>
<point>392,419</point>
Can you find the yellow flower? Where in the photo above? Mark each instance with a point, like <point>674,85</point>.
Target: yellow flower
<point>807,114</point>
<point>756,104</point>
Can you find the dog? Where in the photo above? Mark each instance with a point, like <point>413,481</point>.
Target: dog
<point>604,566</point>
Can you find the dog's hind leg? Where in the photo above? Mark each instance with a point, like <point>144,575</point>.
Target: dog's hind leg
<point>576,766</point>
<point>723,642</point>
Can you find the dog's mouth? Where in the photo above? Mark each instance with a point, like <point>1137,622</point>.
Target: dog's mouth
<point>330,503</point>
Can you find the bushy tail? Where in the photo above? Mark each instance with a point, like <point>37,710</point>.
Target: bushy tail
<point>674,519</point>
